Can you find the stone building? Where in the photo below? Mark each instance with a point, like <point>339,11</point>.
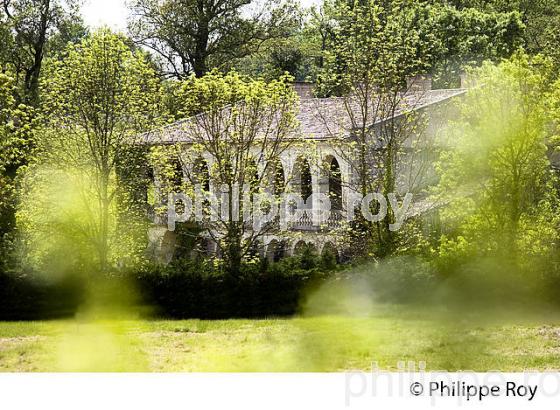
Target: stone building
<point>326,122</point>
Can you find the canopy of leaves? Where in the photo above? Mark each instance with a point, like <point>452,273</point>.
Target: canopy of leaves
<point>237,127</point>
<point>377,45</point>
<point>101,94</point>
<point>194,36</point>
<point>496,172</point>
<point>390,41</point>
<point>96,100</point>
<point>540,17</point>
<point>16,146</point>
<point>30,30</point>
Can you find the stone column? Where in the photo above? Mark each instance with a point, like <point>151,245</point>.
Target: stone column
<point>287,159</point>
<point>316,186</point>
<point>346,175</point>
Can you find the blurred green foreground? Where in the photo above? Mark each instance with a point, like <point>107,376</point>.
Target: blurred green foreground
<point>444,340</point>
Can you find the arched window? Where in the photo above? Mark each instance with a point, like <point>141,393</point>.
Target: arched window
<point>330,252</point>
<point>178,174</point>
<point>207,247</point>
<point>167,247</point>
<point>335,185</point>
<point>256,250</point>
<point>200,178</point>
<point>299,248</point>
<point>201,174</point>
<point>252,176</point>
<point>275,251</point>
<point>303,179</point>
<point>277,179</point>
<point>302,248</point>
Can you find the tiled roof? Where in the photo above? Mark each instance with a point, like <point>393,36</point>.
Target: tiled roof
<point>319,118</point>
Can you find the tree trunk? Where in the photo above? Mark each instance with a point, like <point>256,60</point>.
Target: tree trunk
<point>105,204</point>
<point>234,254</point>
<point>34,72</point>
<point>201,47</point>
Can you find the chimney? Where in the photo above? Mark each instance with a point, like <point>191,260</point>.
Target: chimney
<point>304,90</point>
<point>421,82</point>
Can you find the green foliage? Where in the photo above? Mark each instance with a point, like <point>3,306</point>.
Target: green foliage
<point>298,52</point>
<point>237,126</point>
<point>215,91</point>
<point>496,174</point>
<point>102,88</point>
<point>377,45</point>
<point>540,19</point>
<point>393,41</point>
<point>32,30</point>
<point>194,288</point>
<point>407,35</point>
<point>16,148</point>
<point>95,101</point>
<point>470,36</point>
<point>196,36</point>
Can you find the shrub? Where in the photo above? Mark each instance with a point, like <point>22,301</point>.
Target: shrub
<point>27,297</point>
<point>397,280</point>
<point>197,289</point>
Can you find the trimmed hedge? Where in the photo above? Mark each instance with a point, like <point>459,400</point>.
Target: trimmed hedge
<point>23,298</point>
<point>183,289</point>
<point>189,289</point>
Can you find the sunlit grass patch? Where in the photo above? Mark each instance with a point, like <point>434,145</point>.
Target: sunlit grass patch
<point>391,336</point>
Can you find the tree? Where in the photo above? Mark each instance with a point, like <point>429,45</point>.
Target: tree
<point>29,26</point>
<point>30,30</point>
<point>95,100</point>
<point>470,36</point>
<point>277,58</point>
<point>464,34</point>
<point>195,36</point>
<point>373,51</point>
<point>299,52</point>
<point>236,130</point>
<point>496,174</point>
<point>540,19</point>
<point>16,128</point>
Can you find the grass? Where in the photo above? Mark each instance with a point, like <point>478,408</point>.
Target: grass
<point>388,335</point>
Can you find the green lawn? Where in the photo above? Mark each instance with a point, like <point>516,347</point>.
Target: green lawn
<point>444,340</point>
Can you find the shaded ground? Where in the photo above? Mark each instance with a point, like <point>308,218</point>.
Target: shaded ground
<point>443,340</point>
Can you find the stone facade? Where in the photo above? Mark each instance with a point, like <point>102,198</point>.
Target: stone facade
<point>322,121</point>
